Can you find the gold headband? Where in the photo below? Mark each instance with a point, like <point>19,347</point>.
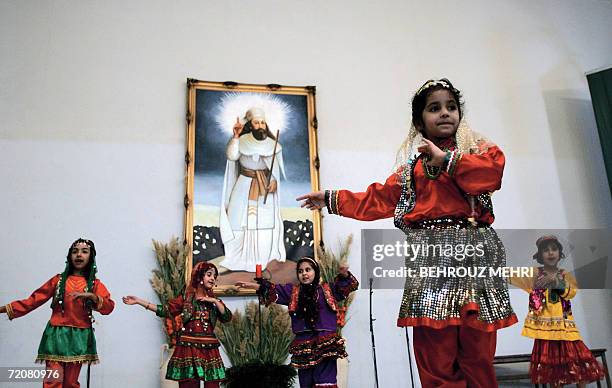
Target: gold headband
<point>309,259</point>
<point>433,82</point>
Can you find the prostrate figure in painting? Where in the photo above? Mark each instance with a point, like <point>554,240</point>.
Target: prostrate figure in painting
<point>251,230</point>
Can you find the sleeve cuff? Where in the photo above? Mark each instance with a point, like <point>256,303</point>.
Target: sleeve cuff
<point>331,201</point>
<point>451,161</point>
<point>159,311</point>
<point>564,292</point>
<point>267,293</point>
<point>9,312</point>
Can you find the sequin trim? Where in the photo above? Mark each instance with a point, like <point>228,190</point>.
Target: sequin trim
<point>407,199</point>
<point>329,297</point>
<point>327,294</point>
<point>9,312</point>
<point>295,293</point>
<point>455,157</point>
<point>331,201</point>
<point>89,358</point>
<point>309,352</point>
<point>459,321</point>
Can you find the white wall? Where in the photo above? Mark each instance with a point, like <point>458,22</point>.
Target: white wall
<point>92,101</point>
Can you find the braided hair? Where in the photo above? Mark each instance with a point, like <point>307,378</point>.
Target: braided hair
<point>89,272</point>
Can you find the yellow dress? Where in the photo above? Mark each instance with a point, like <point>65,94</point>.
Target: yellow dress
<point>550,316</point>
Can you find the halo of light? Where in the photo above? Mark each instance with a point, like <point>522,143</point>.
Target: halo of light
<point>236,104</point>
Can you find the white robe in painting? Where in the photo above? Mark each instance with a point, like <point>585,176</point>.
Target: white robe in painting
<point>251,231</point>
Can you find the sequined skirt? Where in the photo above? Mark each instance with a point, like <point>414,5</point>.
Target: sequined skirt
<point>309,349</point>
<point>452,282</point>
<point>563,362</point>
<point>195,358</point>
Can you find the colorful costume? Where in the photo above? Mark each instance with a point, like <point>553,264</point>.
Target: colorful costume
<point>315,348</point>
<point>68,340</point>
<point>559,355</point>
<point>196,355</point>
<point>453,314</point>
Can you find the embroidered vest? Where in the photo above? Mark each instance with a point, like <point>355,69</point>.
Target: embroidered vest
<point>327,294</point>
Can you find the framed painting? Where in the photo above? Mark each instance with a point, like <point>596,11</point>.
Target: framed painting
<point>251,150</point>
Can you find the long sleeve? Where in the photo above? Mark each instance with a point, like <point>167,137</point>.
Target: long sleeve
<point>525,283</point>
<point>480,173</point>
<point>343,286</point>
<point>233,149</point>
<point>20,308</point>
<point>105,304</point>
<point>173,308</point>
<point>227,314</point>
<point>274,293</point>
<point>571,286</point>
<point>377,202</point>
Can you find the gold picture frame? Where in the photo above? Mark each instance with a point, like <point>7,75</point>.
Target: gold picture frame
<point>230,220</point>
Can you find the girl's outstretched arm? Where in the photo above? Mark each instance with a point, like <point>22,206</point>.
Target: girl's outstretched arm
<point>132,300</point>
<point>20,308</point>
<point>247,285</point>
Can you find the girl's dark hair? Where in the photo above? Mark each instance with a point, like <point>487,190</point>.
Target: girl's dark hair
<point>89,272</point>
<point>199,270</point>
<point>545,242</point>
<point>92,257</point>
<point>307,298</point>
<point>420,99</point>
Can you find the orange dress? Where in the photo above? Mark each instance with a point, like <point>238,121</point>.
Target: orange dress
<point>68,336</point>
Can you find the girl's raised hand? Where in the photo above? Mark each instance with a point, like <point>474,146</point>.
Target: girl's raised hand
<point>343,270</point>
<point>436,155</point>
<point>312,201</point>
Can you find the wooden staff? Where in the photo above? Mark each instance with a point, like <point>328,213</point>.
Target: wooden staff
<point>271,166</point>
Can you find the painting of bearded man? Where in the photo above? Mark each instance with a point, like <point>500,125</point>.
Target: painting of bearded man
<point>242,179</point>
<point>250,220</point>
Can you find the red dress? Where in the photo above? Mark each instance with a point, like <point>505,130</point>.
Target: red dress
<point>418,201</point>
<point>196,355</point>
